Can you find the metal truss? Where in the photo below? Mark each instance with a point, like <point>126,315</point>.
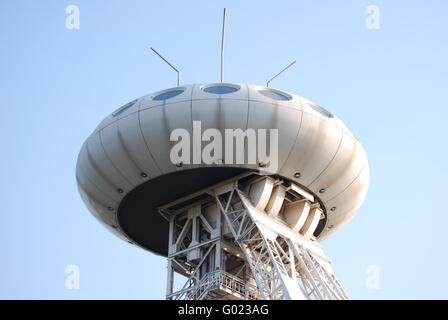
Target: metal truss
<point>284,267</point>
<point>273,261</point>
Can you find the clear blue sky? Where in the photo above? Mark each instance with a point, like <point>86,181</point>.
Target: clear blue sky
<point>388,85</point>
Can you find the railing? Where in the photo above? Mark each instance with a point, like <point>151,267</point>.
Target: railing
<point>217,280</point>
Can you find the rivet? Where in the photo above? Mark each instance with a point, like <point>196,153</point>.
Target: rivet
<point>333,208</point>
<point>297,175</point>
<point>179,164</point>
<point>261,164</point>
<point>143,175</point>
<point>120,190</point>
<point>110,208</point>
<point>322,190</point>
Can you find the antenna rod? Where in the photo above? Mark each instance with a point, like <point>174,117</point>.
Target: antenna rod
<point>287,67</point>
<point>178,73</point>
<point>222,41</point>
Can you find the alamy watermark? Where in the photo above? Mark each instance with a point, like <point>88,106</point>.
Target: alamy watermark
<point>73,280</point>
<point>72,21</point>
<point>373,277</point>
<point>235,147</point>
<point>373,17</point>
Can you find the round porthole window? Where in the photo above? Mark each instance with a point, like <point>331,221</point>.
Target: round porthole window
<point>321,110</point>
<point>124,108</point>
<point>275,94</point>
<point>168,94</point>
<point>221,89</point>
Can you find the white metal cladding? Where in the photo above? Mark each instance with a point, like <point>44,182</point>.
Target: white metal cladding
<point>133,147</point>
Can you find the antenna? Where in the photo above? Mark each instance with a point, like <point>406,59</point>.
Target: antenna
<point>224,16</point>
<point>287,67</point>
<point>178,73</point>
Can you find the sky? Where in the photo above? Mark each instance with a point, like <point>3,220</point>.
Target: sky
<point>387,84</point>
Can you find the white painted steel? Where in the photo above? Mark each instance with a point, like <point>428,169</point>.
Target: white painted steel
<point>273,261</point>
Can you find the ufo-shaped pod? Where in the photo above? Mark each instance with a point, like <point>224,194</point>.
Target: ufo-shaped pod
<point>124,170</point>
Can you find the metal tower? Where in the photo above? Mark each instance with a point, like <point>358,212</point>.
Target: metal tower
<point>250,237</point>
<point>251,231</point>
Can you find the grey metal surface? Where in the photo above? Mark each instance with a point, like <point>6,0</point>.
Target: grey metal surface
<point>131,149</point>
